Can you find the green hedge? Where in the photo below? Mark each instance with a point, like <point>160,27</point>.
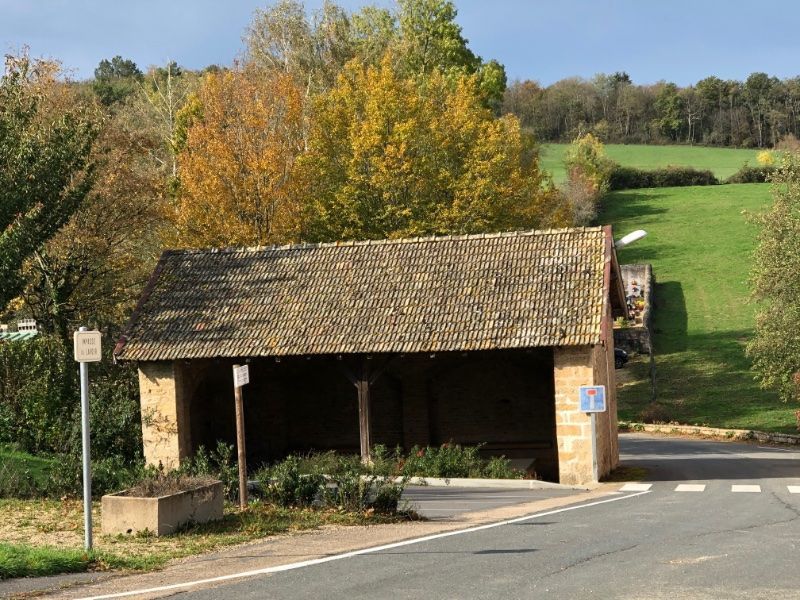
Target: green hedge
<point>748,174</point>
<point>628,178</point>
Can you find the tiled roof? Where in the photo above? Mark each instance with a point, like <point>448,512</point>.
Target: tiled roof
<point>437,294</point>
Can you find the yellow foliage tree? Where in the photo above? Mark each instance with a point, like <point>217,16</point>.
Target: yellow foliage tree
<point>389,156</point>
<point>235,167</point>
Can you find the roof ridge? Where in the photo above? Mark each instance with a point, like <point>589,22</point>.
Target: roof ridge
<point>384,241</point>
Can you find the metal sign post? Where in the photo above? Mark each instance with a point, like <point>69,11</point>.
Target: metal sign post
<point>593,401</point>
<point>241,377</point>
<point>87,349</point>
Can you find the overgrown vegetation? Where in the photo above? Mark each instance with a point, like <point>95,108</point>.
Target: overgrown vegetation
<point>40,415</point>
<point>775,347</point>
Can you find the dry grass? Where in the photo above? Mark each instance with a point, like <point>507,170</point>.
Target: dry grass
<point>59,523</point>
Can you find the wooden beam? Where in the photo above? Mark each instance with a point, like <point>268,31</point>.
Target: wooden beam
<point>363,416</point>
<point>363,378</point>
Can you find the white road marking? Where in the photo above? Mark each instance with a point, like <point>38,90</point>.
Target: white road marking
<point>636,487</point>
<point>794,489</point>
<point>745,488</point>
<point>317,561</point>
<point>691,487</point>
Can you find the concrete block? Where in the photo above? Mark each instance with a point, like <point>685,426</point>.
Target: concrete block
<point>163,515</point>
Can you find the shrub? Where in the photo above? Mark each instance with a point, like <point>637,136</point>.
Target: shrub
<point>219,464</point>
<point>287,484</point>
<point>654,413</point>
<point>626,178</point>
<point>748,174</point>
<point>331,481</point>
<point>453,460</point>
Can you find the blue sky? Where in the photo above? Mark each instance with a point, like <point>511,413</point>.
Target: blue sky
<point>677,40</point>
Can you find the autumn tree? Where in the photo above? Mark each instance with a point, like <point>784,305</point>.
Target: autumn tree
<point>235,169</point>
<point>388,157</point>
<point>46,136</point>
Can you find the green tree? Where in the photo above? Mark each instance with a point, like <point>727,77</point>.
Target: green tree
<point>430,38</point>
<point>46,137</point>
<point>669,111</point>
<point>775,280</point>
<point>115,80</point>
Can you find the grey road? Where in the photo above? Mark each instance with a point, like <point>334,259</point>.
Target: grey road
<point>443,504</point>
<point>713,520</point>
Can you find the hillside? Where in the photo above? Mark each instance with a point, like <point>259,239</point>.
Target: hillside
<point>723,162</point>
<point>699,243</point>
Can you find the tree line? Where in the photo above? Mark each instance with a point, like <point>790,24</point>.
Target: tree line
<point>757,112</point>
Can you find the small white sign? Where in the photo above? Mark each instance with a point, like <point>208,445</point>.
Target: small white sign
<point>241,376</point>
<point>87,346</point>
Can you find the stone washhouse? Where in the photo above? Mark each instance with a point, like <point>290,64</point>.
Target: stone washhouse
<point>476,339</point>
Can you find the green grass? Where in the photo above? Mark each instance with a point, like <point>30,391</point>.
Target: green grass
<point>38,467</point>
<point>699,243</point>
<point>723,162</point>
<point>18,560</point>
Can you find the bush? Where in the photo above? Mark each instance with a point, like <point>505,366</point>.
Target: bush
<point>453,460</point>
<point>219,463</point>
<point>748,174</point>
<point>628,178</point>
<point>330,481</point>
<point>287,484</point>
<point>654,413</point>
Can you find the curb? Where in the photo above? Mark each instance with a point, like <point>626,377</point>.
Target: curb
<point>715,432</point>
<point>513,484</point>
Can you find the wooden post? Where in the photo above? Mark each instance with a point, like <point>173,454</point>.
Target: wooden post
<point>363,411</point>
<point>240,444</point>
<point>365,378</point>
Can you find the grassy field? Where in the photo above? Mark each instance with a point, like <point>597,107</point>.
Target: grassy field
<point>699,243</point>
<point>723,162</point>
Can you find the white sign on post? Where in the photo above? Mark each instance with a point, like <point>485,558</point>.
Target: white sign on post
<point>87,349</point>
<point>87,346</point>
<point>241,376</point>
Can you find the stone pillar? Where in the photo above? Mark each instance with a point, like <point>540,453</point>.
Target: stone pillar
<point>165,415</point>
<point>573,367</point>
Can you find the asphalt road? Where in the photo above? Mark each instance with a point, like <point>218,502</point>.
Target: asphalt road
<point>660,542</point>
<point>444,503</point>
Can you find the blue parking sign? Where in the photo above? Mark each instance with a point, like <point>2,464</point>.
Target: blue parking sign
<point>593,398</point>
